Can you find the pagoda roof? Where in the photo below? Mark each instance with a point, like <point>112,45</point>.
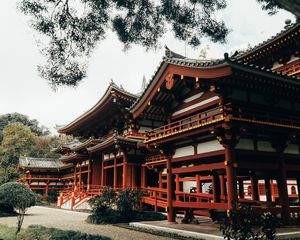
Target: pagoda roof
<point>115,139</point>
<point>66,147</point>
<point>273,42</point>
<point>42,163</point>
<point>101,109</point>
<point>73,157</point>
<point>83,145</point>
<point>214,69</point>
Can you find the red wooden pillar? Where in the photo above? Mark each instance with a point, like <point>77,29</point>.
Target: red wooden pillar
<point>47,189</point>
<point>198,184</point>
<point>133,171</point>
<point>160,182</point>
<point>241,188</point>
<point>75,179</point>
<point>170,192</point>
<point>177,185</point>
<point>223,187</point>
<point>124,185</point>
<point>298,189</point>
<point>115,172</point>
<point>232,197</point>
<point>268,190</point>
<point>283,191</point>
<point>143,177</point>
<point>216,187</point>
<point>254,185</point>
<point>102,172</point>
<point>89,175</point>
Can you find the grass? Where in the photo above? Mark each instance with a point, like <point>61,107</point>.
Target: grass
<point>38,232</point>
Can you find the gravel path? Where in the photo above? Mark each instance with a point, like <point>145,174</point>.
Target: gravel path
<point>69,220</point>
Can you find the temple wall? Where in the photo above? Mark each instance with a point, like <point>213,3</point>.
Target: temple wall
<point>209,146</point>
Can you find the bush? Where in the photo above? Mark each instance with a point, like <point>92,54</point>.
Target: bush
<point>240,224</point>
<point>17,196</point>
<point>41,199</point>
<point>111,208</point>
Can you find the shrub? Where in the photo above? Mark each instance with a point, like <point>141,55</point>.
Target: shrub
<point>41,199</point>
<point>128,202</point>
<point>19,197</point>
<point>111,208</point>
<point>240,224</point>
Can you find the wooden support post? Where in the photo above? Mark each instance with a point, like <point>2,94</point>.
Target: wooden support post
<point>115,172</point>
<point>216,187</point>
<point>268,190</point>
<point>254,186</point>
<point>143,177</point>
<point>177,185</point>
<point>47,189</point>
<point>89,175</point>
<point>223,187</point>
<point>198,184</point>
<point>124,185</point>
<point>232,198</point>
<point>170,192</point>
<point>298,189</point>
<point>75,179</point>
<point>283,191</point>
<point>102,172</point>
<point>160,182</point>
<point>241,189</point>
<point>133,179</point>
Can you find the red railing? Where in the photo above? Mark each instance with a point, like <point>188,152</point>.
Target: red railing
<point>155,159</point>
<point>186,124</point>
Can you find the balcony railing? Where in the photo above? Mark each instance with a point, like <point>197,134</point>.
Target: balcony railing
<point>155,160</point>
<point>186,124</point>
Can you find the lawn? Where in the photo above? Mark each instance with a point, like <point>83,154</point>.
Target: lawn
<point>38,232</point>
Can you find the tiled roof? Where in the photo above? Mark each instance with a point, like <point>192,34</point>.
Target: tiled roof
<point>114,139</point>
<point>27,162</point>
<point>112,87</point>
<point>286,31</point>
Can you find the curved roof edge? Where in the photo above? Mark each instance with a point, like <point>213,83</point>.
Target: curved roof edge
<point>110,91</point>
<point>288,29</point>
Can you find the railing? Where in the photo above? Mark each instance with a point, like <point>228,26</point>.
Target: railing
<point>156,159</point>
<point>292,70</point>
<point>138,135</point>
<point>244,112</point>
<point>185,124</point>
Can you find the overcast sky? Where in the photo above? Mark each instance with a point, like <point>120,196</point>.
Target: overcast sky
<point>23,91</point>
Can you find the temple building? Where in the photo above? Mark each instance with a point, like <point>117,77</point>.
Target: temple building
<point>202,136</point>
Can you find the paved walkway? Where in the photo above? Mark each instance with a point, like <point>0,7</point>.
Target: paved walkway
<point>69,220</point>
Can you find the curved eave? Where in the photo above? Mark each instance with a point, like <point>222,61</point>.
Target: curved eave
<point>86,144</point>
<point>111,142</point>
<point>112,92</point>
<point>271,43</point>
<point>186,67</point>
<point>73,157</point>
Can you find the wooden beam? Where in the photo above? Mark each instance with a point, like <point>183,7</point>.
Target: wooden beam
<point>200,168</point>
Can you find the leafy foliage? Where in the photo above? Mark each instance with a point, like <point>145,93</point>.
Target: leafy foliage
<point>112,207</point>
<point>19,197</point>
<point>73,28</point>
<point>240,225</point>
<point>272,6</point>
<point>17,140</point>
<point>33,124</point>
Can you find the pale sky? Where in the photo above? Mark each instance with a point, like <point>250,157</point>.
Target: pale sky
<point>23,90</point>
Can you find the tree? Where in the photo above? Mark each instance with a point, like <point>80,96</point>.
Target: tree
<point>33,124</point>
<point>73,28</point>
<point>17,140</point>
<point>19,197</point>
<point>42,147</point>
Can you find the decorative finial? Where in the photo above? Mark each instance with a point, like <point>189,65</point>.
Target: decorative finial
<point>226,56</point>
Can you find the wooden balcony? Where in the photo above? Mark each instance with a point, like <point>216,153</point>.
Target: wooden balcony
<point>186,124</point>
<point>156,160</point>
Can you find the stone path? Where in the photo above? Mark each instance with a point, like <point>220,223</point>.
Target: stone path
<point>69,220</point>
